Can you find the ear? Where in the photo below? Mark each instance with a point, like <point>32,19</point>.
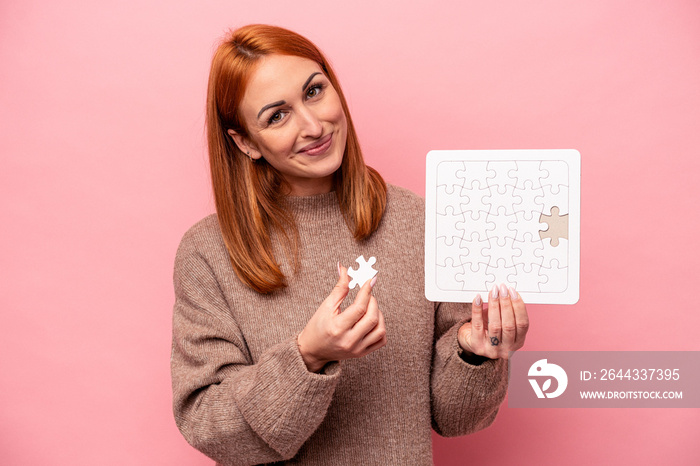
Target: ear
<point>244,145</point>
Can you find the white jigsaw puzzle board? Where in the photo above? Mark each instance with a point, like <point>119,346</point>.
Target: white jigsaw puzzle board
<point>503,216</point>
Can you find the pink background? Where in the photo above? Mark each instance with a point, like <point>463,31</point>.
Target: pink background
<point>104,168</point>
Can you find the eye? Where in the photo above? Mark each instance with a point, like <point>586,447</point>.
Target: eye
<point>275,117</point>
<point>314,90</point>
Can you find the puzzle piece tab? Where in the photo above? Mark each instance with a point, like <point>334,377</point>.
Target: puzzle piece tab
<point>502,170</point>
<point>527,280</point>
<point>448,226</point>
<point>528,171</point>
<point>449,175</point>
<point>476,280</point>
<point>448,276</point>
<point>556,280</point>
<point>476,198</point>
<point>476,172</point>
<point>557,174</point>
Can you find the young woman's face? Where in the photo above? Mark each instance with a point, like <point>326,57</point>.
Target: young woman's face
<point>295,121</point>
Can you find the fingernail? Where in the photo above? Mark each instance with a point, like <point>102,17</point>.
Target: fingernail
<point>494,292</point>
<point>513,293</point>
<point>477,300</point>
<point>503,291</point>
<point>338,268</point>
<point>373,282</point>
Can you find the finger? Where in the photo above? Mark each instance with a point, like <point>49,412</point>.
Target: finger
<point>475,337</point>
<point>340,290</point>
<point>375,346</point>
<point>377,332</point>
<point>494,325</point>
<point>522,321</point>
<point>358,308</point>
<point>377,337</point>
<point>507,318</point>
<point>477,316</point>
<point>368,321</point>
<point>362,298</point>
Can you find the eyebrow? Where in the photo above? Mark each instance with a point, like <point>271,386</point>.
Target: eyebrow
<point>273,104</point>
<point>309,80</point>
<point>282,102</point>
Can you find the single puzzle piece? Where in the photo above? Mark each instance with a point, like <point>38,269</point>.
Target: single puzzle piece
<point>505,251</point>
<point>447,174</point>
<point>559,199</point>
<point>500,273</point>
<point>527,281</point>
<point>529,259</point>
<point>447,224</point>
<point>446,276</point>
<point>505,198</point>
<point>363,273</point>
<point>558,226</point>
<point>447,198</point>
<point>502,169</point>
<point>479,225</point>
<point>550,253</point>
<point>530,201</point>
<point>476,171</point>
<point>476,280</point>
<point>502,227</point>
<point>528,170</point>
<point>557,278</point>
<point>475,195</point>
<point>523,225</point>
<point>473,254</point>
<point>453,250</point>
<point>558,174</point>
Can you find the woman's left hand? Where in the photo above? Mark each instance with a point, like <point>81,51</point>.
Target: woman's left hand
<point>506,325</point>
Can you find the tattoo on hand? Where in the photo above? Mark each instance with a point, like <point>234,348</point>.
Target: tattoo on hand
<point>494,341</point>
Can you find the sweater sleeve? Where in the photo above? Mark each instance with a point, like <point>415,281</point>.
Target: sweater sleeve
<point>232,409</point>
<point>464,398</point>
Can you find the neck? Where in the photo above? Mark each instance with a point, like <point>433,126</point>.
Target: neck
<point>309,186</point>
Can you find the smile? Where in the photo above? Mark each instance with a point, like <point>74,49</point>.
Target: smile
<point>318,147</point>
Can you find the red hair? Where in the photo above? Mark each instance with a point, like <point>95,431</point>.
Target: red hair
<point>249,197</point>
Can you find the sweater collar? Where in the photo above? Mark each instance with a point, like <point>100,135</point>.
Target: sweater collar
<point>315,208</point>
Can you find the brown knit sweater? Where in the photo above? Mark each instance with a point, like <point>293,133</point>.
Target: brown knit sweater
<point>242,393</point>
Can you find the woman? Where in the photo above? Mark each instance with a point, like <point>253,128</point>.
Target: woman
<point>266,367</point>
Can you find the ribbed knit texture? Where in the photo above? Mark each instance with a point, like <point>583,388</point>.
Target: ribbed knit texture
<point>242,393</point>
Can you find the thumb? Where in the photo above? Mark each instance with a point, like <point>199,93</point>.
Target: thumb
<point>464,336</point>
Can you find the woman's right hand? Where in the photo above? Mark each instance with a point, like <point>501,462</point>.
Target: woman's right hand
<point>332,335</point>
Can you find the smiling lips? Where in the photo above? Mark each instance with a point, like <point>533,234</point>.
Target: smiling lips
<point>318,147</point>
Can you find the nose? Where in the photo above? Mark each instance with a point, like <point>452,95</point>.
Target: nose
<point>309,123</point>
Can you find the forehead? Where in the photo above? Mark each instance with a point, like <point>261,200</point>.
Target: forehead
<point>278,77</point>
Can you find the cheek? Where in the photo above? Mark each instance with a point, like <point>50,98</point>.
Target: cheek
<point>278,144</point>
<point>333,110</point>
<point>344,126</point>
<point>341,121</point>
<point>340,115</point>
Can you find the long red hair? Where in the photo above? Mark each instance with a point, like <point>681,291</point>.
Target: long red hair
<point>249,197</point>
